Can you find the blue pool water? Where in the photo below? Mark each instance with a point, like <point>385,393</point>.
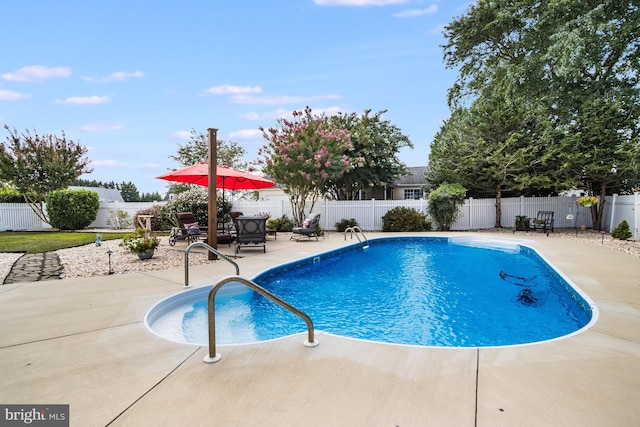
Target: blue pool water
<point>418,291</point>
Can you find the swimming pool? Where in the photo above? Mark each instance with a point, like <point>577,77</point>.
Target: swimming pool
<point>427,291</point>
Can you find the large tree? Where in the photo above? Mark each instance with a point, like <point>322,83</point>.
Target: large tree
<point>566,57</point>
<point>491,149</point>
<point>38,164</point>
<point>305,155</point>
<point>377,142</point>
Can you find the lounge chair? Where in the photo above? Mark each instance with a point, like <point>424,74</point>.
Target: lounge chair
<point>251,232</point>
<point>309,228</point>
<point>188,229</point>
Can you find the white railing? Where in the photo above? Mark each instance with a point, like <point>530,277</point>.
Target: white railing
<point>475,214</point>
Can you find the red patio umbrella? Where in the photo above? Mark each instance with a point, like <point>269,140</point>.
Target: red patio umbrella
<point>227,178</point>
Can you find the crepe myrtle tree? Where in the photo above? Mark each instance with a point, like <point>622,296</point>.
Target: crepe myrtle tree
<point>36,165</point>
<point>304,155</point>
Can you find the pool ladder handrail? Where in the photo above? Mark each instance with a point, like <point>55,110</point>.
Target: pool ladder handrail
<point>213,357</point>
<point>364,242</point>
<point>210,249</point>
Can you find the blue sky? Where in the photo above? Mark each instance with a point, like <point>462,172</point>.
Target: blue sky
<point>130,79</point>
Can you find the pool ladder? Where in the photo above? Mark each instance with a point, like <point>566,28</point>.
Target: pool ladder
<point>364,243</point>
<point>210,249</point>
<point>213,357</point>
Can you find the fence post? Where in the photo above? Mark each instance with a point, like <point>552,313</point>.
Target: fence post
<point>614,201</point>
<point>636,219</point>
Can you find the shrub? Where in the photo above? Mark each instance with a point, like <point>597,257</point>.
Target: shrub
<point>444,202</point>
<point>194,201</point>
<point>283,224</point>
<point>158,221</point>
<point>119,219</point>
<point>72,209</point>
<point>9,195</point>
<point>405,219</point>
<point>345,223</point>
<point>622,231</point>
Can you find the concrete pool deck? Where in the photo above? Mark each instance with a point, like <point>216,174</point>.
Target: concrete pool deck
<point>82,342</point>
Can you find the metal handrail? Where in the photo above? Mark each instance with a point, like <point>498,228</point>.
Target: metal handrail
<point>213,356</point>
<point>355,230</point>
<point>204,245</point>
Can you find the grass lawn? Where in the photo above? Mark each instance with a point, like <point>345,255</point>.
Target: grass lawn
<point>37,241</point>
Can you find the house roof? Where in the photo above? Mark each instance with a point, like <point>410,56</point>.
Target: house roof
<point>104,194</point>
<point>415,177</point>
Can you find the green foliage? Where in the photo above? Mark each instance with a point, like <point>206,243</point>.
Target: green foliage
<point>158,222</point>
<point>223,210</point>
<point>622,231</point>
<point>36,165</point>
<point>377,142</point>
<point>345,223</point>
<point>405,219</point>
<point>150,197</point>
<point>576,65</point>
<point>119,219</point>
<point>129,192</point>
<point>194,200</point>
<point>304,156</point>
<point>72,209</point>
<point>9,195</point>
<point>444,202</point>
<point>283,224</point>
<point>136,242</point>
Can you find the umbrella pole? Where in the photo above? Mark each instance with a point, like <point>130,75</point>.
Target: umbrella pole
<point>212,234</point>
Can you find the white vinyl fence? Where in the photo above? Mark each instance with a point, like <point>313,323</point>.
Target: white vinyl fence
<point>475,214</point>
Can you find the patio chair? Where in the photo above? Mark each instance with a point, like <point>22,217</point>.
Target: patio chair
<point>251,232</point>
<point>188,229</point>
<point>309,228</point>
<point>543,221</point>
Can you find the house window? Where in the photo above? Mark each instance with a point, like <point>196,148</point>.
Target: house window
<point>413,194</point>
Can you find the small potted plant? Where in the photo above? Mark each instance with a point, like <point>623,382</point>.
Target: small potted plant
<point>138,243</point>
<point>587,201</point>
<point>522,223</point>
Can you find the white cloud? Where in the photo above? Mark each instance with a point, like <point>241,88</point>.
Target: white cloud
<point>233,90</point>
<point>120,76</point>
<point>101,128</point>
<point>9,95</point>
<point>182,135</point>
<point>247,134</point>
<point>358,2</point>
<point>410,13</point>
<point>286,114</point>
<point>84,100</point>
<point>36,73</point>
<point>116,164</point>
<point>279,99</point>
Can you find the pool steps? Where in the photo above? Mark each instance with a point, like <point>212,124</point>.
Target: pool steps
<point>213,356</point>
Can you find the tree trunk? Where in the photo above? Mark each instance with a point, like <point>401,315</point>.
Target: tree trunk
<point>498,208</point>
<point>597,210</point>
